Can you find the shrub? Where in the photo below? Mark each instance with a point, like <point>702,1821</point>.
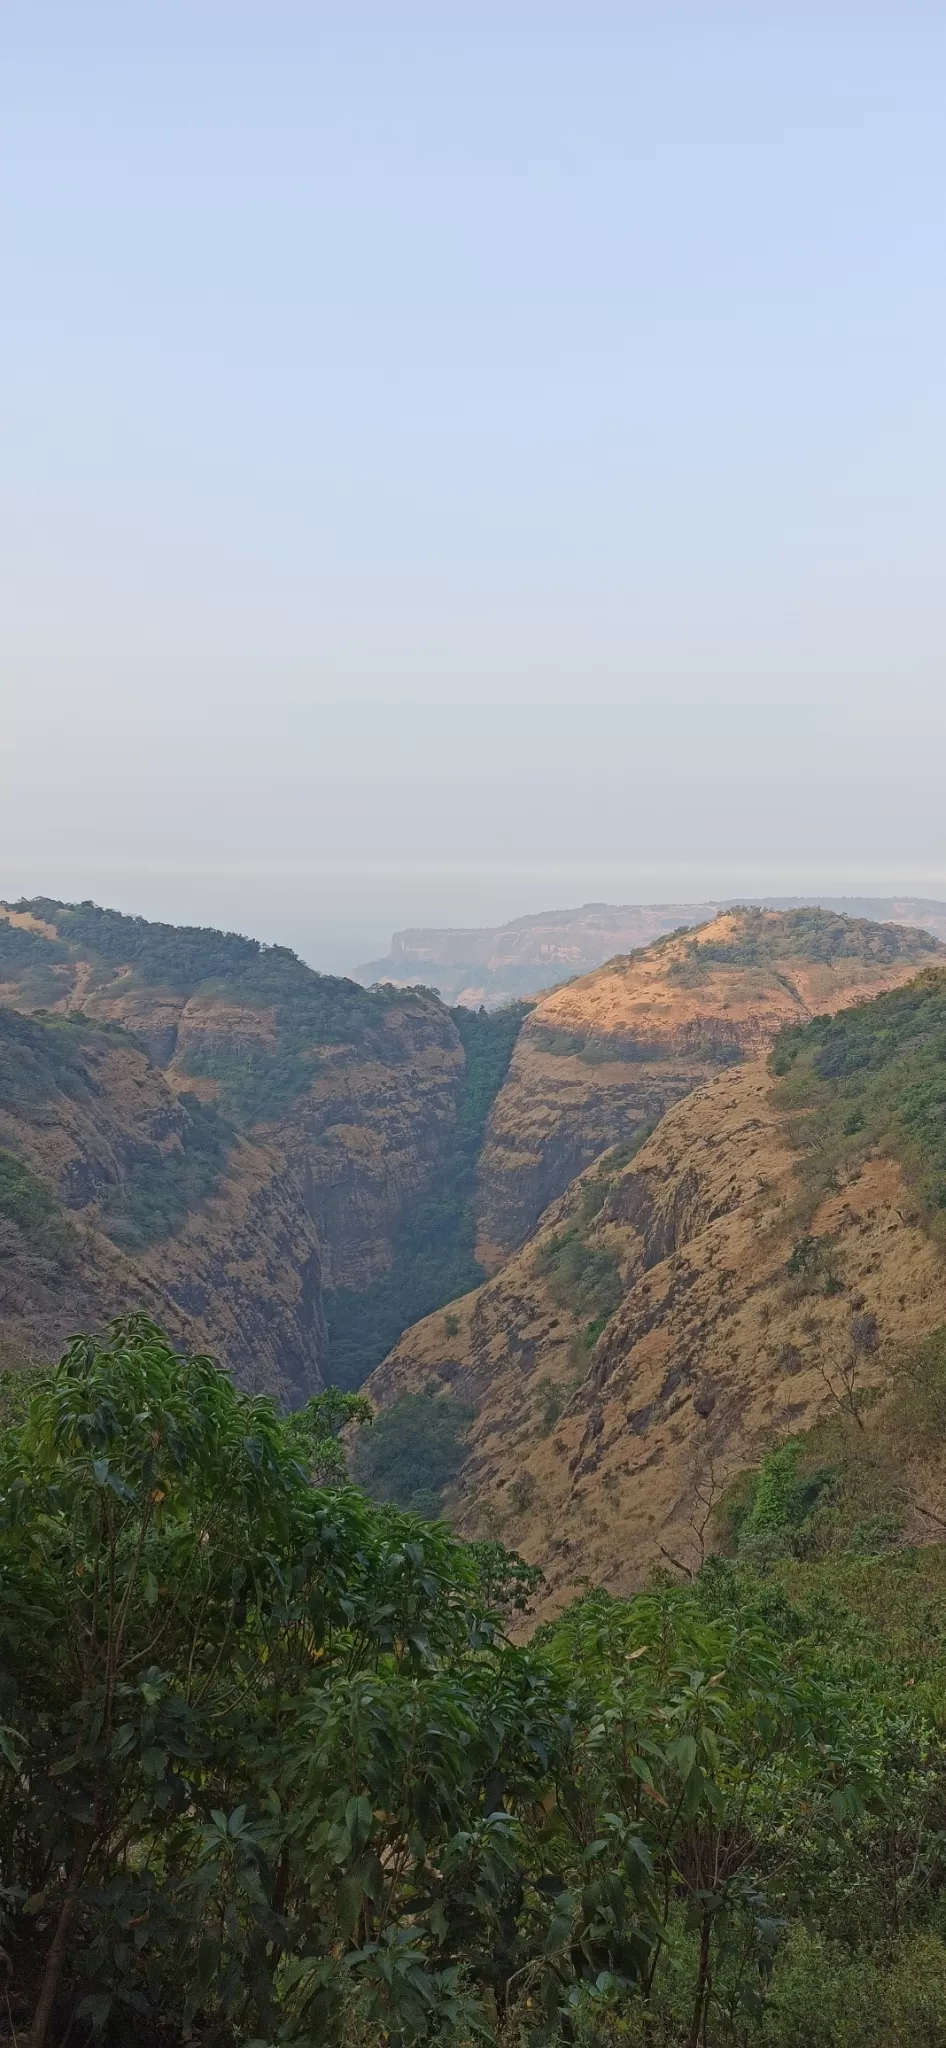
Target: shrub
<point>413,1450</point>
<point>582,1278</point>
<point>522,1493</point>
<point>29,1203</point>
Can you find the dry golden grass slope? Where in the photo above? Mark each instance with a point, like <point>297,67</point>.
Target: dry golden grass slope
<point>606,1055</point>
<point>599,1464</point>
<point>86,1112</point>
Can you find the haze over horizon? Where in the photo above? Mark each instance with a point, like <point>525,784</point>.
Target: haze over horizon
<point>460,463</point>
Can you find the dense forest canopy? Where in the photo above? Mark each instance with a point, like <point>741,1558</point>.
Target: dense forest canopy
<point>271,1770</point>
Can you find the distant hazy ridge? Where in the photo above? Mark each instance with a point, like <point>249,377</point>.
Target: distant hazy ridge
<point>494,964</point>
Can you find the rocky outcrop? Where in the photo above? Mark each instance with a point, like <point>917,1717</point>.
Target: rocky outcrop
<point>600,1462</point>
<point>604,1057</point>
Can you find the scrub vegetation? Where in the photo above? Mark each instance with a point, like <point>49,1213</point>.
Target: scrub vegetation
<point>271,1770</point>
<point>872,1078</point>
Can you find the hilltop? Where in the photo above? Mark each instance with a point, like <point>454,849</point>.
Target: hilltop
<point>601,1059</point>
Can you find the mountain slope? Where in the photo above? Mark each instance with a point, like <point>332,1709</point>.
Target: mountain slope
<point>778,1239</point>
<point>359,1087</point>
<point>367,1107</point>
<point>601,1058</point>
<point>117,1193</point>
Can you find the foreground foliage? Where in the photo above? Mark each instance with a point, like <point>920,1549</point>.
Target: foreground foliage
<point>272,1771</point>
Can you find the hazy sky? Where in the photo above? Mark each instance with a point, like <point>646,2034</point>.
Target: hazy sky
<point>463,458</point>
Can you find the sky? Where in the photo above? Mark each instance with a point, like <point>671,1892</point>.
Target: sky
<point>461,459</point>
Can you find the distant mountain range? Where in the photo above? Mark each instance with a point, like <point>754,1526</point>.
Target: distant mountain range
<point>495,964</point>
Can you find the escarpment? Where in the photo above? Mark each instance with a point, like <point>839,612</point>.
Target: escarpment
<point>772,1248</point>
<point>357,1088</point>
<point>116,1193</point>
<point>341,1109</point>
<point>289,1167</point>
<point>601,1059</point>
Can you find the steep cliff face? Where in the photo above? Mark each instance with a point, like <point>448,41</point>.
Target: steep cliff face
<point>116,1193</point>
<point>604,1057</point>
<point>676,1316</point>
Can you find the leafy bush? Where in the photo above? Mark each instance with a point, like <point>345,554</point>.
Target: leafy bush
<point>595,1050</point>
<point>312,1010</point>
<point>41,1057</point>
<point>809,933</point>
<point>413,1450</point>
<point>270,1770</point>
<point>522,1493</point>
<point>583,1278</point>
<point>22,949</point>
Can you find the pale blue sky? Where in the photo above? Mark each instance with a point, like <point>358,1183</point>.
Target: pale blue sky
<point>460,458</point>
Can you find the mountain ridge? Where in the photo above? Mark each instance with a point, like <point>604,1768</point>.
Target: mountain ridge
<point>524,957</point>
<point>763,1261</point>
<point>603,1057</point>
